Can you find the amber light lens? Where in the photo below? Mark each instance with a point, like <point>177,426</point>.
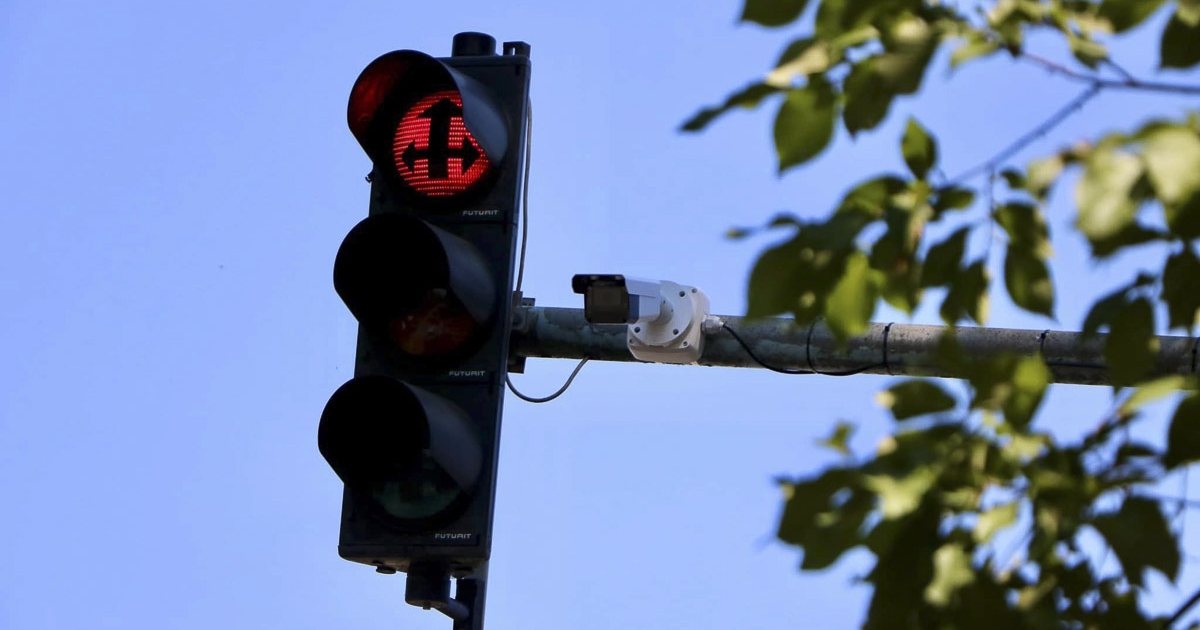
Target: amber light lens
<point>438,325</point>
<point>428,291</point>
<point>434,152</point>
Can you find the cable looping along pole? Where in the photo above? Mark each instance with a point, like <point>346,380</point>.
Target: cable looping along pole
<point>907,349</point>
<point>887,364</point>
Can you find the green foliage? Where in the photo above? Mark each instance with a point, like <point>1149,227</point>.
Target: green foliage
<point>1179,48</point>
<point>919,149</point>
<point>805,123</point>
<point>1124,15</point>
<point>973,515</point>
<point>1183,438</point>
<point>1179,289</point>
<point>772,12</point>
<point>1028,281</point>
<point>915,397</point>
<point>748,97</point>
<point>994,520</point>
<point>839,440</point>
<point>1139,536</point>
<point>852,300</point>
<point>1131,346</point>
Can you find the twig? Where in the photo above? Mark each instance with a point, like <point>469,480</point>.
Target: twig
<point>1183,609</point>
<point>1129,82</point>
<point>1182,503</point>
<point>1182,515</point>
<point>1046,127</point>
<point>1127,75</point>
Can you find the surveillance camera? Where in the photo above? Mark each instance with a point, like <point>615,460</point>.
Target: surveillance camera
<point>665,320</point>
<point>617,299</point>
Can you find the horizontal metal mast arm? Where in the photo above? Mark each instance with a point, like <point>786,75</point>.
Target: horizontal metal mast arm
<point>897,349</point>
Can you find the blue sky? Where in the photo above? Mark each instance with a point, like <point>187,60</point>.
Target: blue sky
<point>177,180</point>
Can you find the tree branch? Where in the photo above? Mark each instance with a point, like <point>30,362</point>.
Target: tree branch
<point>1183,609</point>
<point>1046,127</point>
<point>1129,82</point>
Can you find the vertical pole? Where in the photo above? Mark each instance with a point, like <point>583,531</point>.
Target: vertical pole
<point>471,592</point>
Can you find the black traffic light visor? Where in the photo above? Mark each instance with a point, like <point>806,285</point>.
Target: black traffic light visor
<point>376,429</point>
<point>428,290</point>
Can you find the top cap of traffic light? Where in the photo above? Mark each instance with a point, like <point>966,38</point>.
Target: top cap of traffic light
<point>434,133</point>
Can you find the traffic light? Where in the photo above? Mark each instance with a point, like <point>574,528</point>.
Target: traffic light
<point>414,436</point>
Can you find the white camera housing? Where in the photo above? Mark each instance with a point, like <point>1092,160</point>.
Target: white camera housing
<point>664,319</point>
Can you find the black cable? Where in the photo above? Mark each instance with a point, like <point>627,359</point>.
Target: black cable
<point>556,394</point>
<point>525,194</point>
<point>780,370</point>
<point>521,264</point>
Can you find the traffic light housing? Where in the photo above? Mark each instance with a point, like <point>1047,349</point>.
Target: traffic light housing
<point>414,436</point>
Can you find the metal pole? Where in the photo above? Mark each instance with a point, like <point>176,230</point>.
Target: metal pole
<point>897,349</point>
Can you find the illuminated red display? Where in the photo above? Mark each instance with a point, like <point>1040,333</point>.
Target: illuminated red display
<point>434,153</point>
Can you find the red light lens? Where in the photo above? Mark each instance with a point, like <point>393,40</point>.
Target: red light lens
<point>439,325</point>
<point>434,153</point>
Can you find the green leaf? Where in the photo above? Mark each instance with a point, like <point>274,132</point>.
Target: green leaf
<point>1180,47</point>
<point>1103,311</point>
<point>1172,157</point>
<point>975,47</point>
<point>840,438</point>
<point>1183,437</point>
<point>900,496</point>
<point>1023,448</point>
<point>1106,308</point>
<point>872,197</point>
<point>919,149</point>
<point>1104,193</point>
<point>952,570</point>
<point>1131,346</point>
<point>803,57</point>
<point>995,520</point>
<point>1181,289</point>
<point>1042,174</point>
<point>835,533</point>
<point>774,281</point>
<point>1130,451</point>
<point>839,231</point>
<point>941,263</point>
<point>867,97</point>
<point>772,12</point>
<point>953,198</point>
<point>851,304</point>
<point>905,548</point>
<point>1184,218</point>
<point>748,98</point>
<point>805,122</point>
<point>1028,281</point>
<point>1026,228</point>
<point>1140,538</point>
<point>1127,14</point>
<point>814,520</point>
<point>875,81</point>
<point>1188,11</point>
<point>1030,378</point>
<point>968,295</point>
<point>1150,392</point>
<point>838,17</point>
<point>1130,235</point>
<point>915,397</point>
<point>1015,179</point>
<point>1089,52</point>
